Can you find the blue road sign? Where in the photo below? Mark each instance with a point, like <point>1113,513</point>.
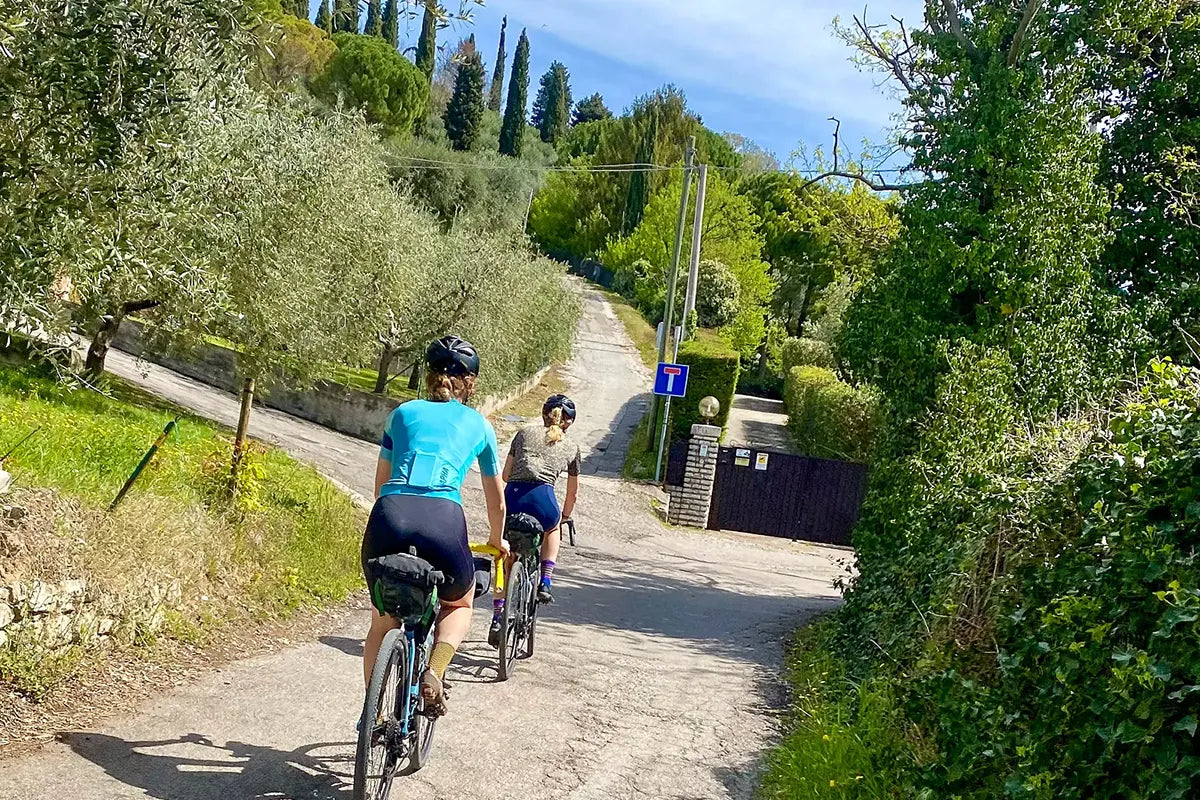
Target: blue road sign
<point>671,380</point>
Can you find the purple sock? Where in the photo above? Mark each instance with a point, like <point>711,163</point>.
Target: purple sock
<point>547,571</point>
<point>497,607</point>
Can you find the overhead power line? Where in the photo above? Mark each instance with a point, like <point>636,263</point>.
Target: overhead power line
<point>433,163</point>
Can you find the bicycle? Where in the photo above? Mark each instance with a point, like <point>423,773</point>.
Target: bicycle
<point>518,622</point>
<point>401,728</point>
<point>569,524</point>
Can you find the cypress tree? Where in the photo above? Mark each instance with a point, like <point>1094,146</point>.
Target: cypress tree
<point>297,8</point>
<point>345,16</point>
<point>494,99</point>
<point>391,23</point>
<point>638,195</point>
<point>427,44</point>
<point>552,109</point>
<point>512,132</point>
<point>324,19</point>
<point>465,110</point>
<point>374,25</point>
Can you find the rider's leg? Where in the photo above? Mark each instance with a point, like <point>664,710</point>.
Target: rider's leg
<point>453,623</point>
<point>550,554</point>
<point>380,625</point>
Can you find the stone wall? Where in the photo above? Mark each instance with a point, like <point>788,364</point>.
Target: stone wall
<point>690,502</point>
<point>349,411</point>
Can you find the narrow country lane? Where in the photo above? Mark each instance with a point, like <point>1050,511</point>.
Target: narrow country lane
<point>655,674</point>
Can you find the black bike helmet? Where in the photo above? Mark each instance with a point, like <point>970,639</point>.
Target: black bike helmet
<point>452,356</point>
<point>560,401</point>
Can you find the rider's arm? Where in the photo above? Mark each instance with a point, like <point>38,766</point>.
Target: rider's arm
<point>383,471</point>
<point>572,494</point>
<point>508,467</point>
<point>493,487</point>
<point>572,484</point>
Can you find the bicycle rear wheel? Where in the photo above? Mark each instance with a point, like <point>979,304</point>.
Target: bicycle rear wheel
<point>530,620</point>
<point>511,620</point>
<point>377,756</point>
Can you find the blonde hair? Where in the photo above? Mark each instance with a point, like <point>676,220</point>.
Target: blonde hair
<point>443,388</point>
<point>555,430</point>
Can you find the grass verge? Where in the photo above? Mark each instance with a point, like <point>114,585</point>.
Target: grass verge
<point>844,738</point>
<point>289,541</point>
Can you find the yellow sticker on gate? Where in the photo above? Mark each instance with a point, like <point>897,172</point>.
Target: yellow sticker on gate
<point>760,463</point>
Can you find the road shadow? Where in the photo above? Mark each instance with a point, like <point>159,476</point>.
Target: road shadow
<point>607,457</point>
<point>346,644</point>
<point>193,767</point>
<point>761,405</point>
<point>689,604</point>
<point>763,435</point>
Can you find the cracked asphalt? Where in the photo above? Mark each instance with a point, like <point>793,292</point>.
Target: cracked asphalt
<point>656,672</point>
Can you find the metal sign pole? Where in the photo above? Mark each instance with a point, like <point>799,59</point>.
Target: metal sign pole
<point>662,442</point>
<point>689,303</point>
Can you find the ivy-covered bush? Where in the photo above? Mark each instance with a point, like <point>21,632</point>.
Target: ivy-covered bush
<point>802,352</point>
<point>714,368</point>
<point>829,418</point>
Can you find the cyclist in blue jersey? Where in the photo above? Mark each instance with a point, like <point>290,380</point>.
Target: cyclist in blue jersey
<point>427,449</point>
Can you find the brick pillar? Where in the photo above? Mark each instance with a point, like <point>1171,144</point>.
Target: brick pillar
<point>690,502</point>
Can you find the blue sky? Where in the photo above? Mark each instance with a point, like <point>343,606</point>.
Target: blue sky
<point>771,70</point>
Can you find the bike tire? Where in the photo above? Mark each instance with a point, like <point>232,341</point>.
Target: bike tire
<point>420,743</point>
<point>510,620</point>
<point>389,678</point>
<point>531,623</point>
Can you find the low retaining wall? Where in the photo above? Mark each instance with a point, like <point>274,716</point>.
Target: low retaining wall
<point>349,411</point>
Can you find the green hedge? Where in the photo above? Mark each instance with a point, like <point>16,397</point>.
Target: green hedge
<point>714,367</point>
<point>828,418</point>
<point>806,353</point>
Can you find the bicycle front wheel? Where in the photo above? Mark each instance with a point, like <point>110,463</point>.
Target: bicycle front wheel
<point>377,757</point>
<point>511,620</point>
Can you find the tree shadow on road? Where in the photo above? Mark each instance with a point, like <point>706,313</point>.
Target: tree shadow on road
<point>193,767</point>
<point>608,455</point>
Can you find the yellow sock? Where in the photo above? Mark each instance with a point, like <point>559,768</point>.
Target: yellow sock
<point>439,659</point>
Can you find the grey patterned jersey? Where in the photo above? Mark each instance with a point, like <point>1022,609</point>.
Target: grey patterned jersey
<point>537,461</point>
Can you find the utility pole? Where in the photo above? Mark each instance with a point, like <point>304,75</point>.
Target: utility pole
<point>689,302</point>
<point>661,410</point>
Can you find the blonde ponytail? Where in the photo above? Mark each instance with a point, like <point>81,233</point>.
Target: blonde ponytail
<point>554,426</point>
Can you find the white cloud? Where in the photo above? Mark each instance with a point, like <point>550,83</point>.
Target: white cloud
<point>773,50</point>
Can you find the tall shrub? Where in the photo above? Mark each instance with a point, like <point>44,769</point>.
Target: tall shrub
<point>713,370</point>
<point>367,73</point>
<point>828,418</point>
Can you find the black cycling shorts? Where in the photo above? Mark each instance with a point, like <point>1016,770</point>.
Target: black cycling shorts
<point>436,527</point>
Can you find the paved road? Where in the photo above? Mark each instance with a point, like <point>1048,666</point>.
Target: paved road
<point>758,423</point>
<point>655,674</point>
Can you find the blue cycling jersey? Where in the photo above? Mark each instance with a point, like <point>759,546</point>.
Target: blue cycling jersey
<point>431,446</point>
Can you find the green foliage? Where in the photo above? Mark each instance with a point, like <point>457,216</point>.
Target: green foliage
<point>718,295</point>
<point>465,112</point>
<point>641,261</point>
<point>802,352</point>
<point>552,107</point>
<point>374,24</point>
<point>590,109</point>
<point>324,19</point>
<point>512,131</point>
<point>367,73</point>
<point>426,57</point>
<point>292,51</point>
<point>345,16</point>
<point>391,23</point>
<point>713,370</point>
<point>828,418</point>
<point>474,191</point>
<point>496,92</point>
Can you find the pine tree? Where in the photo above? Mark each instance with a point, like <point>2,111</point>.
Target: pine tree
<point>465,110</point>
<point>427,44</point>
<point>391,22</point>
<point>638,195</point>
<point>512,132</point>
<point>552,109</point>
<point>374,25</point>
<point>494,99</point>
<point>297,8</point>
<point>345,16</point>
<point>590,109</point>
<point>324,19</point>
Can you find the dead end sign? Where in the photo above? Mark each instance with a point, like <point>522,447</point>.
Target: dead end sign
<point>671,380</point>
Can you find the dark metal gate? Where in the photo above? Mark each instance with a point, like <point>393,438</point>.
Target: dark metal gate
<point>794,497</point>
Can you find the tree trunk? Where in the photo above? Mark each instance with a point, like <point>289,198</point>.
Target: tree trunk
<point>97,353</point>
<point>239,439</point>
<point>385,368</point>
<point>414,377</point>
